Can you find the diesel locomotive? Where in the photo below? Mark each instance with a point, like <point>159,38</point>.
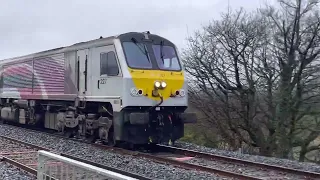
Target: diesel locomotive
<point>128,88</point>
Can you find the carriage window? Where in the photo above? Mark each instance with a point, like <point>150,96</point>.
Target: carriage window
<point>108,64</point>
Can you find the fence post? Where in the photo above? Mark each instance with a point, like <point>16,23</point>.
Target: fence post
<point>40,169</point>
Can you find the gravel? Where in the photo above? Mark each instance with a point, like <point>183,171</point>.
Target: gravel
<point>244,169</point>
<point>128,163</point>
<point>10,172</point>
<point>306,166</point>
<point>146,167</point>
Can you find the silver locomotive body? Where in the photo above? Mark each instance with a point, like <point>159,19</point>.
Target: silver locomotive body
<point>126,88</point>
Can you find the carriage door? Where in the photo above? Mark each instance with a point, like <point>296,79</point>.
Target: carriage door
<point>81,71</point>
<point>106,79</point>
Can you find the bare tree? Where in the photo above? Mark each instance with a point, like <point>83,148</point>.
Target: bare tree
<point>256,76</point>
<point>223,61</point>
<point>296,46</point>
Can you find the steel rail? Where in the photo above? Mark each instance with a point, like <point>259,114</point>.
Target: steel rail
<point>158,159</point>
<point>189,166</point>
<point>176,163</point>
<point>181,151</point>
<point>19,165</point>
<point>34,172</point>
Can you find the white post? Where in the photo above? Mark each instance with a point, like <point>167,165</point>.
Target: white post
<point>40,170</point>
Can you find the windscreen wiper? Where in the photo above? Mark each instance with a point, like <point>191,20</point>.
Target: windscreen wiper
<point>145,52</point>
<point>161,51</point>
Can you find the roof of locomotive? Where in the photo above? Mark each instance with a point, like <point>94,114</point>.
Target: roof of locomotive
<point>81,45</point>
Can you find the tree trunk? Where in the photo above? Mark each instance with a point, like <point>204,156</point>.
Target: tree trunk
<point>303,153</point>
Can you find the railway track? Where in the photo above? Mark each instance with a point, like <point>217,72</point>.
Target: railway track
<point>190,160</point>
<point>236,168</point>
<point>25,156</point>
<point>156,158</point>
<point>268,171</point>
<point>20,155</point>
<point>159,159</point>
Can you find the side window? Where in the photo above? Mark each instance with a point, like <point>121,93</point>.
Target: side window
<point>113,69</point>
<point>103,63</point>
<point>108,64</point>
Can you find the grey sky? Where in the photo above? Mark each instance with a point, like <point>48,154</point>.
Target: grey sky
<point>40,25</point>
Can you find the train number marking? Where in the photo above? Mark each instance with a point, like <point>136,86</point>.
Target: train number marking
<point>103,81</point>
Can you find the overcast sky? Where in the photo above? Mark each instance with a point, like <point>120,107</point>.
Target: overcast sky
<point>41,24</point>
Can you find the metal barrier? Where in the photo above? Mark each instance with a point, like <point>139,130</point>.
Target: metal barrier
<point>54,166</point>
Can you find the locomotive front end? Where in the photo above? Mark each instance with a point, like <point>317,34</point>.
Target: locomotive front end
<point>155,95</point>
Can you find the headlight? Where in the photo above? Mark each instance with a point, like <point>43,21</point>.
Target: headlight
<point>180,93</point>
<point>163,84</point>
<point>157,84</point>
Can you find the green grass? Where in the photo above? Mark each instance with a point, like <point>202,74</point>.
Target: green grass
<point>195,135</point>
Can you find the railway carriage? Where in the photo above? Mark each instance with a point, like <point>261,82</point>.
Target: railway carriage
<point>127,88</point>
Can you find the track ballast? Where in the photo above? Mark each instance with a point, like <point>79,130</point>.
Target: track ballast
<point>215,164</point>
<point>114,159</point>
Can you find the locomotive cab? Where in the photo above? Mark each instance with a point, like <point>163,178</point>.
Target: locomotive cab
<point>154,90</point>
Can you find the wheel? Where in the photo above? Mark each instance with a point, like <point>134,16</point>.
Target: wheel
<point>111,138</point>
